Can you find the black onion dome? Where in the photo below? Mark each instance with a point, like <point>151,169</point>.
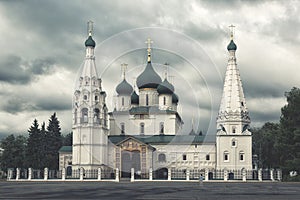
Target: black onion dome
<point>165,87</point>
<point>174,98</point>
<point>231,46</point>
<point>124,88</point>
<point>134,98</point>
<point>148,78</point>
<point>90,42</point>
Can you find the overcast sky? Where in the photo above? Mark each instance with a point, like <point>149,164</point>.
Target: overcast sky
<point>42,48</point>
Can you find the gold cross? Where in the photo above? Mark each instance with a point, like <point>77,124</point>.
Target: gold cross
<point>124,67</point>
<point>231,27</point>
<point>90,28</point>
<point>149,42</point>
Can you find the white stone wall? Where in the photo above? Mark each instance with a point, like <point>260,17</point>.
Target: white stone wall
<point>65,160</point>
<point>152,124</point>
<point>195,156</point>
<point>168,102</point>
<point>152,97</point>
<point>243,144</point>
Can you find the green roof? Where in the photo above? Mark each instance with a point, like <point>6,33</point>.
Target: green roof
<point>166,139</point>
<point>65,149</point>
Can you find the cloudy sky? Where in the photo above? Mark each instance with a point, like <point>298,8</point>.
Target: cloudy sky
<point>42,46</point>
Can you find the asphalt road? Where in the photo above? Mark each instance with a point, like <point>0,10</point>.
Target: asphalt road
<point>148,190</point>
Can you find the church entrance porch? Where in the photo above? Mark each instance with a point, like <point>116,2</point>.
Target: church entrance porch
<point>132,153</point>
<point>130,159</point>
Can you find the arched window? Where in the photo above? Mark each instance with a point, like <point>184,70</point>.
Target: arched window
<point>164,101</point>
<point>233,129</point>
<point>96,115</point>
<point>242,156</point>
<point>147,99</point>
<point>207,157</point>
<point>122,125</point>
<point>122,101</point>
<point>96,98</point>
<point>161,128</point>
<point>142,128</point>
<point>85,97</point>
<point>184,157</point>
<point>84,115</point>
<point>162,157</point>
<point>233,143</point>
<point>226,156</point>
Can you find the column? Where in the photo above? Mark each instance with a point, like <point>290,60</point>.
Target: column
<point>45,174</point>
<point>244,174</point>
<point>9,174</point>
<point>188,174</point>
<point>279,175</point>
<point>260,174</point>
<point>18,174</point>
<point>117,175</point>
<point>29,173</point>
<point>206,174</point>
<point>169,174</point>
<point>150,174</point>
<point>132,175</point>
<point>63,174</point>
<point>99,174</point>
<point>272,174</point>
<point>225,175</point>
<point>81,174</point>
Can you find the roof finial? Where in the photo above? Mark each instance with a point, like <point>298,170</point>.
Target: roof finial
<point>166,70</point>
<point>231,31</point>
<point>149,42</point>
<point>124,67</point>
<point>90,28</point>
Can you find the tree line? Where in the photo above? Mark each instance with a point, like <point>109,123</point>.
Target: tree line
<point>37,150</point>
<point>278,144</point>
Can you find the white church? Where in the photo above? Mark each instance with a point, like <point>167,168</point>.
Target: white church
<point>140,133</point>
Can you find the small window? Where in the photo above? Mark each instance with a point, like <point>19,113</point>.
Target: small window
<point>122,101</point>
<point>233,143</point>
<point>96,98</point>
<point>242,156</point>
<point>184,157</point>
<point>164,101</point>
<point>122,128</point>
<point>207,157</point>
<point>142,128</point>
<point>161,128</point>
<point>242,104</point>
<point>161,157</point>
<point>147,99</point>
<point>226,156</point>
<point>233,129</point>
<point>85,97</point>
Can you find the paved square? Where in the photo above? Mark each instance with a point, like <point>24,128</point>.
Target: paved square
<point>148,190</point>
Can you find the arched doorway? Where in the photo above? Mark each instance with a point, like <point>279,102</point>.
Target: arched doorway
<point>161,173</point>
<point>210,176</point>
<point>130,159</point>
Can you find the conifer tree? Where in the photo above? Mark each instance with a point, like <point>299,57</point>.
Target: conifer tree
<point>33,146</point>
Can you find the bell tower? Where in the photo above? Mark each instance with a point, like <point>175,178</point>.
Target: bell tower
<point>234,140</point>
<point>90,126</point>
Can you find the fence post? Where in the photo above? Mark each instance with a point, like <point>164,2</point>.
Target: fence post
<point>169,174</point>
<point>279,175</point>
<point>29,173</point>
<point>244,174</point>
<point>63,174</point>
<point>260,174</point>
<point>132,175</point>
<point>99,174</point>
<point>187,174</point>
<point>9,174</point>
<point>45,174</point>
<point>18,174</point>
<point>81,174</point>
<point>117,175</point>
<point>206,174</point>
<point>225,175</point>
<point>150,174</point>
<point>272,174</point>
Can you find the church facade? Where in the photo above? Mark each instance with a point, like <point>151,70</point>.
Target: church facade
<point>140,133</point>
